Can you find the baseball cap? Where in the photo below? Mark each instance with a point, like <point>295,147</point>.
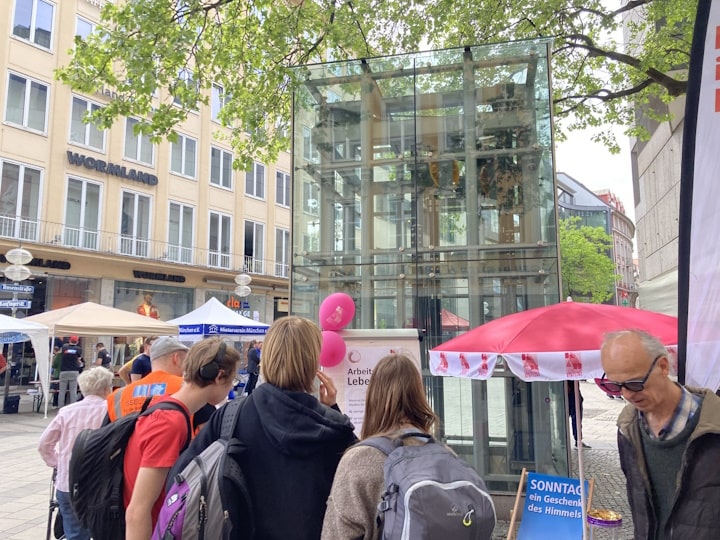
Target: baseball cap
<point>165,345</point>
<point>73,339</point>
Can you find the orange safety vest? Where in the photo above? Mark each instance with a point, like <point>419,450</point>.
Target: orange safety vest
<point>130,398</point>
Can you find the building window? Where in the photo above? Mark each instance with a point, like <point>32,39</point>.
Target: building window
<point>218,99</point>
<point>183,156</point>
<point>219,244</point>
<point>254,252</point>
<point>19,201</point>
<point>82,133</point>
<point>27,103</point>
<point>282,252</point>
<point>82,214</point>
<point>83,28</point>
<point>309,153</point>
<point>135,224</point>
<point>220,167</point>
<point>138,147</point>
<point>34,21</point>
<point>311,198</point>
<point>180,233</point>
<point>185,83</point>
<point>282,188</point>
<point>255,181</point>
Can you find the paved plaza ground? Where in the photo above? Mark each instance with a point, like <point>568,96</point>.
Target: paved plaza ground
<point>25,480</point>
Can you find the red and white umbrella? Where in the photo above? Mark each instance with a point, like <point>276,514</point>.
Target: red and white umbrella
<point>552,343</point>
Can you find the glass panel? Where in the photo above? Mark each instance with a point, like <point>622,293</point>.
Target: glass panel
<point>83,28</point>
<point>43,23</point>
<point>187,227</point>
<point>190,157</point>
<point>146,150</point>
<point>9,189</point>
<point>77,127</point>
<point>227,170</point>
<point>73,207</point>
<point>174,224</point>
<point>23,18</point>
<point>127,226</point>
<point>92,215</point>
<point>215,163</point>
<point>16,100</point>
<point>216,101</point>
<point>214,240</point>
<point>131,141</point>
<point>31,194</point>
<point>96,137</point>
<point>176,156</point>
<point>37,106</point>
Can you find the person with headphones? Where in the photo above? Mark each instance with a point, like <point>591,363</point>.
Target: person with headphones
<point>160,437</point>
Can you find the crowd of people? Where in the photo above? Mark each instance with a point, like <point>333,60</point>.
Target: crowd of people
<point>307,476</point>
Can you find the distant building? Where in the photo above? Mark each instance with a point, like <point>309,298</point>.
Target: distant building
<point>603,209</point>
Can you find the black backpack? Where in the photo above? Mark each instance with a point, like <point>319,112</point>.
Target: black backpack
<point>96,472</point>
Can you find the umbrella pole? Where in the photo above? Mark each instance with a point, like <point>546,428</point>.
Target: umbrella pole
<point>581,467</point>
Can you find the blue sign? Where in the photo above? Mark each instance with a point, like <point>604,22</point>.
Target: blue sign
<point>25,304</point>
<point>220,329</point>
<point>11,287</point>
<point>553,508</point>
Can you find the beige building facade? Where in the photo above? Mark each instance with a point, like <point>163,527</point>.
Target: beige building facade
<point>109,216</point>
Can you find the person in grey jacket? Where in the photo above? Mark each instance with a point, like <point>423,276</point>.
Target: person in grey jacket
<point>668,440</point>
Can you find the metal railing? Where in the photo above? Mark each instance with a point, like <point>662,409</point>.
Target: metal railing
<point>82,239</point>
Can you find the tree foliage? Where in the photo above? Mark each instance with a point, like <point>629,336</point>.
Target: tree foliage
<point>587,271</point>
<point>249,48</point>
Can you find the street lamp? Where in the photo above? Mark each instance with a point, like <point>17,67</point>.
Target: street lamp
<point>17,271</point>
<point>242,289</point>
<point>18,258</point>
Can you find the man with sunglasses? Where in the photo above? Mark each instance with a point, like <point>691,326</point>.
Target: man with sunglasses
<point>668,440</point>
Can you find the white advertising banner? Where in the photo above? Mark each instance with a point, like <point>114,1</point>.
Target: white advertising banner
<point>364,349</point>
<point>699,253</point>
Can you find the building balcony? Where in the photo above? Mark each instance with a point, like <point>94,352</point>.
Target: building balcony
<point>134,246</point>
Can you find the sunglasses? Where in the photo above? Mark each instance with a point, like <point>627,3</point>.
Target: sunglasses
<point>632,386</point>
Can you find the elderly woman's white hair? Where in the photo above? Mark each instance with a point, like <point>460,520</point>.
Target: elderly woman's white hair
<point>96,381</point>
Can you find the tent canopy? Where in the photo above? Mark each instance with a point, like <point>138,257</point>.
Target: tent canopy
<point>213,318</point>
<point>450,321</point>
<point>17,330</point>
<point>91,319</point>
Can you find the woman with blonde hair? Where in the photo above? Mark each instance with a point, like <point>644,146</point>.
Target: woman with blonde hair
<point>395,405</point>
<point>293,440</point>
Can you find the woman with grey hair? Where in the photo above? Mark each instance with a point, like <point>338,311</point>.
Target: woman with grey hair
<point>57,440</point>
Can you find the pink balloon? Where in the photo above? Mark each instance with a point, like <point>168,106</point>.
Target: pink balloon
<point>333,349</point>
<point>336,311</point>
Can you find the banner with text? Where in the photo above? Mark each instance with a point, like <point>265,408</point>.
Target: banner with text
<point>553,508</point>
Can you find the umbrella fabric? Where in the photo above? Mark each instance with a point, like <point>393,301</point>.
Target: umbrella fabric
<point>557,342</point>
<point>450,321</point>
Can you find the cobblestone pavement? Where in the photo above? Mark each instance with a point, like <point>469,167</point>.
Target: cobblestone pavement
<point>25,484</point>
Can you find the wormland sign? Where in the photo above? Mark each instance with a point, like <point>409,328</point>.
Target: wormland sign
<point>112,169</point>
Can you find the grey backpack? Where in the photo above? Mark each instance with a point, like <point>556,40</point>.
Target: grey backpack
<point>430,493</point>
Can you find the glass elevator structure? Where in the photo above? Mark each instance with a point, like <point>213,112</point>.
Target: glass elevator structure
<point>423,187</point>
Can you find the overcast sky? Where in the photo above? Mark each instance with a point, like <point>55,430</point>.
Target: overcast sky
<point>594,166</point>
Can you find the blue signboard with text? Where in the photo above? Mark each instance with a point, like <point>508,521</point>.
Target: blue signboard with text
<point>553,508</point>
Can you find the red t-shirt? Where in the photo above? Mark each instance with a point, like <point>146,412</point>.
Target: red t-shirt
<point>156,442</point>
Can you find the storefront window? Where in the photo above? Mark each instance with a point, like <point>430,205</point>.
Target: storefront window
<point>157,301</point>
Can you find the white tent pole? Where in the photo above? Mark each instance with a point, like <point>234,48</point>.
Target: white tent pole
<point>581,467</point>
<point>50,363</point>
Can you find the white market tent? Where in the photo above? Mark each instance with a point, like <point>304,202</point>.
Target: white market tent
<point>14,330</point>
<point>91,319</point>
<point>215,319</point>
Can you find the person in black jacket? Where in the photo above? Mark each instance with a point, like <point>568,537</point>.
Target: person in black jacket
<point>293,441</point>
<point>253,366</point>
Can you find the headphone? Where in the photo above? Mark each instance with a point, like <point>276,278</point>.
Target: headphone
<point>209,371</point>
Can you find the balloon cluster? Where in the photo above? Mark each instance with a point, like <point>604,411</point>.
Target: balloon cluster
<point>336,312</point>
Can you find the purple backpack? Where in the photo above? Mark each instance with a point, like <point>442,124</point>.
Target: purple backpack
<point>209,498</point>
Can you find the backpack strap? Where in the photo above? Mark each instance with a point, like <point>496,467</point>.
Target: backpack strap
<point>386,444</point>
<point>230,417</point>
<point>169,405</point>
